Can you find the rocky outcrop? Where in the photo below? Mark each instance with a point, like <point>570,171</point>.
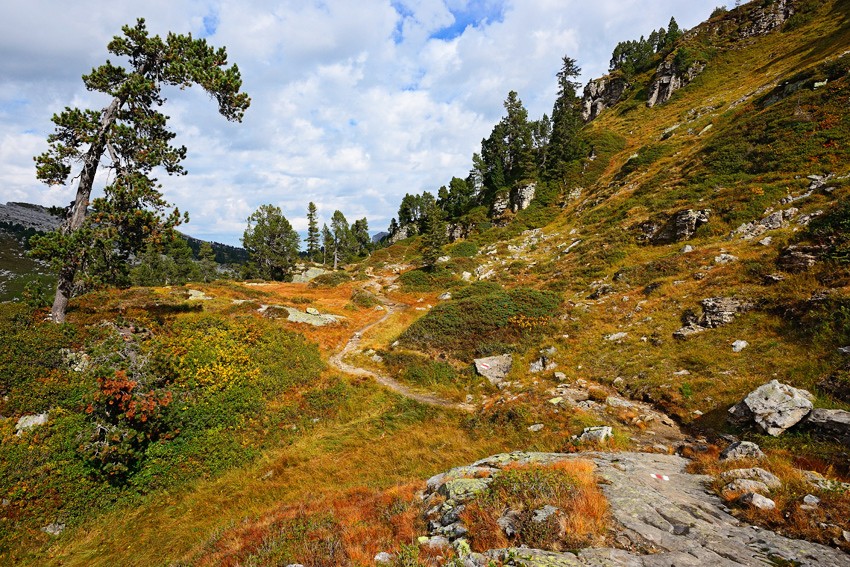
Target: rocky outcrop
<point>716,311</point>
<point>656,506</point>
<point>797,258</point>
<point>681,226</point>
<point>522,196</point>
<point>27,216</point>
<point>600,94</point>
<point>774,407</point>
<point>307,274</point>
<point>773,221</point>
<point>669,79</point>
<point>741,450</point>
<point>767,18</point>
<point>403,232</point>
<point>831,423</point>
<point>27,422</point>
<point>501,203</point>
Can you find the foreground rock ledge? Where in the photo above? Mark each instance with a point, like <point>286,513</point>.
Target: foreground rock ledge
<point>677,520</point>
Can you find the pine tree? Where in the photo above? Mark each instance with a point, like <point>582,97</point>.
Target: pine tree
<point>341,238</point>
<point>207,263</point>
<point>312,233</point>
<point>566,121</point>
<point>327,243</point>
<point>433,236</point>
<point>271,242</point>
<point>132,134</point>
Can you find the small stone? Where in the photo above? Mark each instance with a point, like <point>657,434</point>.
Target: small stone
<point>536,427</point>
<point>616,337</point>
<point>384,557</point>
<point>560,377</point>
<point>596,434</point>
<point>767,241</point>
<point>437,542</point>
<point>757,501</point>
<point>687,249</point>
<point>543,514</point>
<point>312,311</point>
<point>681,529</point>
<point>27,422</point>
<point>756,473</point>
<point>556,401</point>
<point>724,259</point>
<point>738,346</point>
<point>742,450</point>
<point>811,500</point>
<point>54,529</point>
<point>446,296</point>
<point>844,350</point>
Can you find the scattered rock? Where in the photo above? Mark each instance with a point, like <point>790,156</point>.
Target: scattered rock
<point>543,514</point>
<point>446,296</point>
<point>756,473</point>
<point>383,557</point>
<point>560,377</point>
<point>724,259</point>
<point>747,486</point>
<point>797,258</point>
<point>772,279</point>
<point>616,337</point>
<point>716,311</point>
<point>811,500</point>
<point>775,407</point>
<point>197,295</point>
<point>308,274</point>
<point>54,529</point>
<point>687,249</point>
<point>494,368</point>
<point>741,450</point>
<point>27,422</point>
<point>757,501</point>
<point>536,427</point>
<point>833,423</point>
<point>596,434</point>
<point>738,346</point>
<point>601,291</point>
<point>310,316</point>
<point>545,361</point>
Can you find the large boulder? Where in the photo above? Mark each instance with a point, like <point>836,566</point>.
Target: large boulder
<point>522,196</point>
<point>716,312</point>
<point>833,423</point>
<point>27,422</point>
<point>775,407</point>
<point>494,368</point>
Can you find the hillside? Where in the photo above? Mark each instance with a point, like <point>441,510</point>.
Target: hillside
<point>555,390</point>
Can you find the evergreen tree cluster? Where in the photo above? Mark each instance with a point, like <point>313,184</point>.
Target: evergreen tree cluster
<point>636,56</point>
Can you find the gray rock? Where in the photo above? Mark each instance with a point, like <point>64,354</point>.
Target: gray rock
<point>811,500</point>
<point>600,94</point>
<point>308,274</point>
<point>596,434</point>
<point>669,78</point>
<point>833,423</point>
<point>522,196</point>
<point>776,406</point>
<point>681,226</point>
<point>384,557</point>
<point>724,259</point>
<point>616,337</point>
<point>800,258</point>
<point>462,489</point>
<point>738,346</point>
<point>27,422</point>
<point>543,514</point>
<point>26,215</point>
<point>508,522</point>
<point>311,317</point>
<point>536,427</point>
<point>819,481</point>
<point>741,450</point>
<point>748,486</point>
<point>756,473</point>
<point>687,249</point>
<point>437,542</point>
<point>312,311</point>
<point>766,18</point>
<point>54,529</point>
<point>445,297</point>
<point>560,377</point>
<point>716,312</point>
<point>757,501</point>
<point>494,368</point>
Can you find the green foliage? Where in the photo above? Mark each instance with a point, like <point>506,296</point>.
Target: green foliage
<point>833,231</point>
<point>420,370</point>
<point>272,243</point>
<point>133,133</point>
<point>332,279</point>
<point>170,264</point>
<point>362,298</point>
<point>312,232</point>
<point>484,323</point>
<point>433,236</point>
<point>477,288</point>
<point>427,280</point>
<point>718,11</point>
<point>463,249</point>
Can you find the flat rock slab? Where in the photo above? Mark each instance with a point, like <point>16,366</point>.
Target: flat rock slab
<point>663,509</point>
<point>317,320</point>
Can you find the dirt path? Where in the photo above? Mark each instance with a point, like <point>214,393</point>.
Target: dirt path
<point>338,361</point>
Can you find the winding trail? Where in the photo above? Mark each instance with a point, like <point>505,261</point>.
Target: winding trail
<point>338,361</point>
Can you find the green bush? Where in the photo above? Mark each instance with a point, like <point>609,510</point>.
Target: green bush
<point>464,249</point>
<point>428,280</point>
<point>332,279</point>
<point>833,231</point>
<point>483,324</point>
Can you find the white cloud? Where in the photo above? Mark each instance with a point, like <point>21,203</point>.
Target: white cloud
<point>353,104</point>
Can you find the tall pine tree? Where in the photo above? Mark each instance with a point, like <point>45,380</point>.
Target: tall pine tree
<point>312,233</point>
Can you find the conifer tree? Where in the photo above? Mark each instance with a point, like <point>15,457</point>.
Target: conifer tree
<point>132,134</point>
<point>327,243</point>
<point>271,242</point>
<point>433,236</point>
<point>566,121</point>
<point>312,233</point>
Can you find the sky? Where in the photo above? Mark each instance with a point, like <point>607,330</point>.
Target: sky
<point>354,104</point>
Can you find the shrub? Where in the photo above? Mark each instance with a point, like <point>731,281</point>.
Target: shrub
<point>332,279</point>
<point>833,231</point>
<point>428,280</point>
<point>464,249</point>
<point>481,324</point>
<point>362,298</point>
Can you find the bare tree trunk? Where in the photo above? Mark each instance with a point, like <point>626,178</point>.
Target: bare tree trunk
<point>77,214</point>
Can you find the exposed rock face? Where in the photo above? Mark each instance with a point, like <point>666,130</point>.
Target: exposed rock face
<point>27,422</point>
<point>494,368</point>
<point>681,226</point>
<point>600,94</point>
<point>716,311</point>
<point>676,518</point>
<point>29,216</point>
<point>456,231</point>
<point>774,407</point>
<point>768,17</point>
<point>773,221</point>
<point>669,79</point>
<point>522,196</point>
<point>403,232</point>
<point>799,258</point>
<point>500,204</point>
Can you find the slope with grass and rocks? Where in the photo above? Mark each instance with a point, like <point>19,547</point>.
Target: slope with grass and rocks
<point>694,260</point>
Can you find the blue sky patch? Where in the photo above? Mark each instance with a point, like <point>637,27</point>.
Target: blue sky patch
<point>210,24</point>
<point>476,13</point>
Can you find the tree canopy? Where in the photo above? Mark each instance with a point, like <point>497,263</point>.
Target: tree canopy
<point>272,243</point>
<point>130,139</point>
